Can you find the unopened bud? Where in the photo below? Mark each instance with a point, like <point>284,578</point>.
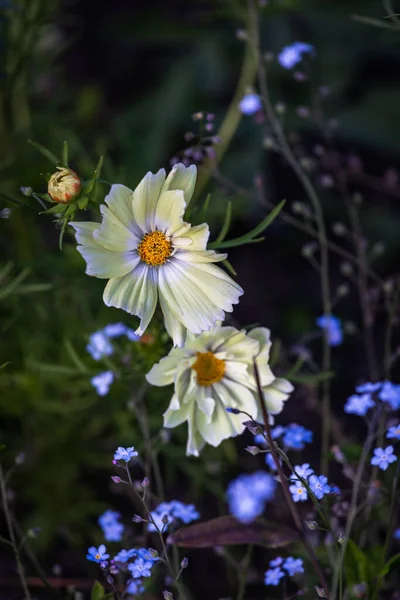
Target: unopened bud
<point>252,427</point>
<point>234,411</point>
<point>153,552</point>
<point>253,450</point>
<point>343,290</point>
<point>185,562</point>
<point>311,525</point>
<point>5,213</point>
<point>341,538</point>
<point>165,519</point>
<point>339,229</point>
<point>145,482</point>
<point>320,591</point>
<point>116,479</point>
<point>167,595</point>
<point>33,532</point>
<point>27,191</point>
<point>64,185</point>
<point>198,116</point>
<point>360,590</point>
<point>137,519</point>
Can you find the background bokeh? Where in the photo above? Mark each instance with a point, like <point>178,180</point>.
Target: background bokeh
<point>123,80</point>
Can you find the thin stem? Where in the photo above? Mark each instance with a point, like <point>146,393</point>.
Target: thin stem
<point>389,533</point>
<point>244,567</point>
<point>354,500</point>
<point>7,515</point>
<point>288,497</point>
<point>322,238</point>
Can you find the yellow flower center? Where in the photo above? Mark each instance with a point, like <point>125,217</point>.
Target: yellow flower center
<point>209,369</point>
<point>155,248</point>
<point>97,556</point>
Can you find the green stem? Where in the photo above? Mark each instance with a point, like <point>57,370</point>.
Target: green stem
<point>244,567</point>
<point>8,517</point>
<point>230,123</point>
<point>321,231</point>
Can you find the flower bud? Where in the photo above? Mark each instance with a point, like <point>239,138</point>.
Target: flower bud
<point>64,185</point>
<point>253,450</point>
<point>145,482</point>
<point>167,595</point>
<point>185,562</point>
<point>116,479</point>
<point>137,519</point>
<point>27,191</point>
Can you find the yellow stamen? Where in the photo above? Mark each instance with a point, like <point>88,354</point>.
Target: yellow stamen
<point>155,248</point>
<point>97,556</point>
<point>209,369</point>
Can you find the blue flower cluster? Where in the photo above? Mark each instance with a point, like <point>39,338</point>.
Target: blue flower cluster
<point>333,326</point>
<point>99,342</point>
<point>102,382</point>
<point>360,403</point>
<point>248,494</point>
<point>110,526</point>
<point>174,510</point>
<point>291,55</point>
<point>294,436</point>
<point>318,484</point>
<point>279,565</point>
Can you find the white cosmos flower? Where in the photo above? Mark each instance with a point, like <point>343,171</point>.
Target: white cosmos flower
<point>214,371</point>
<point>148,252</point>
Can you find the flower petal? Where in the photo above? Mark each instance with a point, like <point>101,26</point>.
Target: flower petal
<point>169,212</point>
<point>104,264</point>
<point>119,201</point>
<point>276,393</point>
<point>84,232</point>
<point>174,327</point>
<point>204,256</point>
<point>175,416</point>
<point>199,235</point>
<point>163,372</point>
<point>136,293</point>
<point>145,198</point>
<point>186,300</point>
<point>113,235</point>
<point>182,178</point>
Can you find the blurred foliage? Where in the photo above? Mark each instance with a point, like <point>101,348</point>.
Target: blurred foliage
<point>122,82</point>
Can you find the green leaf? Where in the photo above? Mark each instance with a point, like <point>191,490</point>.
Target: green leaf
<point>372,21</point>
<point>83,202</point>
<point>98,592</point>
<point>355,565</point>
<point>227,531</point>
<point>13,285</point>
<point>75,358</point>
<point>226,224</point>
<point>313,379</point>
<point>45,152</point>
<point>89,185</point>
<point>390,563</point>
<point>3,366</point>
<point>250,237</point>
<point>58,209</point>
<point>65,153</point>
<point>229,267</point>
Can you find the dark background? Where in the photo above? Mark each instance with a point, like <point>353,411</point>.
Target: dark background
<point>123,79</point>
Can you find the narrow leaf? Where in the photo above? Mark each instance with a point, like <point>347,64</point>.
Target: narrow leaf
<point>229,267</point>
<point>226,224</point>
<point>371,21</point>
<point>45,152</point>
<point>310,379</point>
<point>251,235</point>
<point>75,358</point>
<point>390,563</point>
<point>227,531</point>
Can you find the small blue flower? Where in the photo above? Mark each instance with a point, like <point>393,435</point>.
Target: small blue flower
<point>358,405</point>
<point>269,461</point>
<point>273,576</point>
<point>390,393</point>
<point>277,432</point>
<point>298,491</point>
<point>276,562</point>
<point>396,534</point>
<point>260,440</point>
<point>393,432</point>
<point>302,471</point>
<point>125,453</point>
<point>333,326</point>
<point>131,335</point>
<point>368,387</point>
<point>185,512</point>
<point>97,555</point>
<point>174,510</point>
<point>295,436</point>
<point>124,555</point>
<point>293,565</point>
<point>113,533</point>
<point>146,554</point>
<point>383,457</point>
<point>99,345</point>
<point>247,495</point>
<point>109,517</point>
<point>102,382</point>
<point>140,568</point>
<point>250,104</point>
<point>319,486</point>
<point>134,587</point>
<point>115,330</point>
<point>293,54</point>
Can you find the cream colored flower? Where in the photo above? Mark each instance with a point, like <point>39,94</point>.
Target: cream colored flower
<point>148,252</point>
<point>64,185</point>
<point>212,372</point>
